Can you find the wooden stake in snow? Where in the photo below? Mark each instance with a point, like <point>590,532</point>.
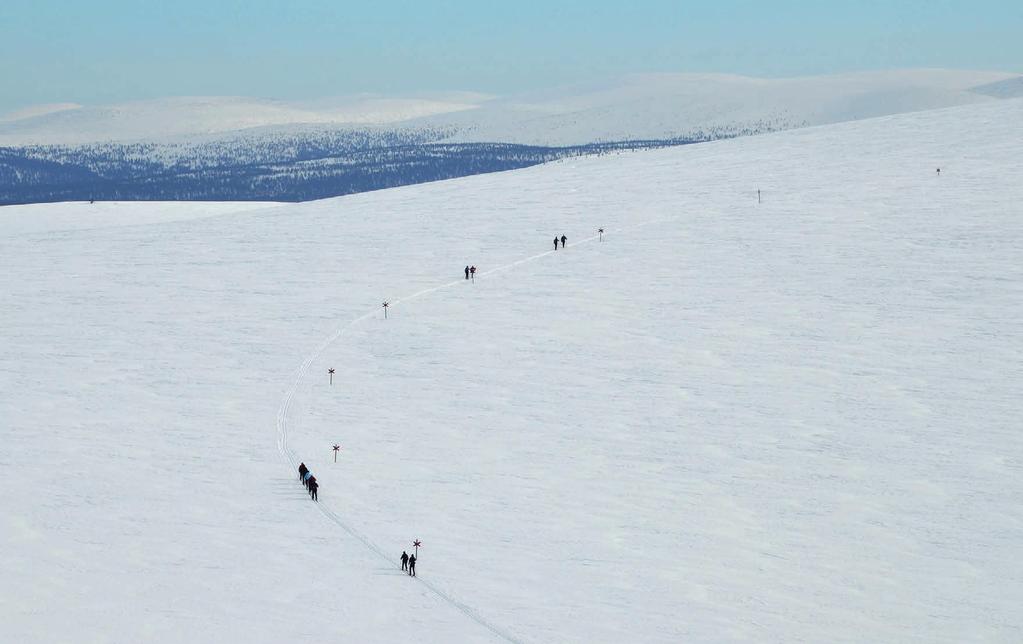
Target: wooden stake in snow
<point>758,196</point>
<point>385,309</point>
<point>330,372</point>
<point>337,448</point>
<point>416,545</point>
<point>600,231</point>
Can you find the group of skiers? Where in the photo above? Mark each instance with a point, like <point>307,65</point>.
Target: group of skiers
<point>408,563</point>
<point>308,480</point>
<point>470,271</point>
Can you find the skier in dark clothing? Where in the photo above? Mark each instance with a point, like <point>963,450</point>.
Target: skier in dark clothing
<point>564,241</point>
<point>466,272</point>
<point>412,565</point>
<point>404,560</point>
<point>555,243</point>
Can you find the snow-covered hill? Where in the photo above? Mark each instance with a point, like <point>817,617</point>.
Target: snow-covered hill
<point>794,420</point>
<point>193,118</point>
<point>217,149</point>
<point>640,106</point>
<point>659,106</point>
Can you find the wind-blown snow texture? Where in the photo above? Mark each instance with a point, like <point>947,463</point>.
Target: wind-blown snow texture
<point>789,421</point>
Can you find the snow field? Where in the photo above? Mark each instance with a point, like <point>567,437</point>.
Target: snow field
<point>735,422</point>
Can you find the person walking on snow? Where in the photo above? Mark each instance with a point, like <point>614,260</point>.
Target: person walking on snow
<point>412,565</point>
<point>466,272</point>
<point>555,243</point>
<point>564,241</point>
<point>302,469</point>
<point>404,560</point>
<point>472,271</point>
<point>313,487</point>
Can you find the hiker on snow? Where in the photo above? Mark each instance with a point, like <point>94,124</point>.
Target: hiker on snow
<point>466,272</point>
<point>555,243</point>
<point>313,486</point>
<point>302,469</point>
<point>404,560</point>
<point>564,241</point>
<point>412,565</point>
<point>472,271</point>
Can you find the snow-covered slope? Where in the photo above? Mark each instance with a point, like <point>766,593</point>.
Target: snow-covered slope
<point>35,111</point>
<point>50,218</point>
<point>195,117</point>
<point>658,106</point>
<point>729,421</point>
<point>1009,88</point>
<point>640,106</point>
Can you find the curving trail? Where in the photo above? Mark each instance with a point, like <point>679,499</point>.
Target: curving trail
<point>289,456</point>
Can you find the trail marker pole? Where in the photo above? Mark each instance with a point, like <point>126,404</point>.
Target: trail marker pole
<point>416,545</point>
<point>600,231</point>
<point>337,448</point>
<point>330,372</point>
<point>758,196</point>
<point>385,309</point>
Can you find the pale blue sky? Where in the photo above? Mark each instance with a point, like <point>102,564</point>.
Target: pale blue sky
<point>101,51</point>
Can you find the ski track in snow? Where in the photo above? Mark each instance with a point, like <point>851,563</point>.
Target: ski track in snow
<point>289,456</point>
<point>799,427</point>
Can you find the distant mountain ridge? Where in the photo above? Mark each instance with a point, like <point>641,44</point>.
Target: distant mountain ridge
<point>160,120</point>
<point>658,106</point>
<point>236,148</point>
<point>638,106</point>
